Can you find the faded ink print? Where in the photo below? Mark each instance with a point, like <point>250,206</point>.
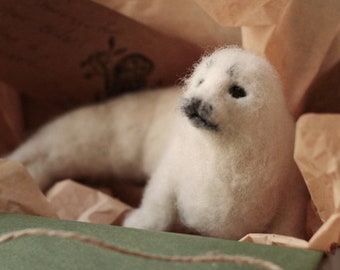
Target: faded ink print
<point>127,73</point>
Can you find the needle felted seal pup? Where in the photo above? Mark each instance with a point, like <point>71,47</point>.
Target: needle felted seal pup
<point>222,164</point>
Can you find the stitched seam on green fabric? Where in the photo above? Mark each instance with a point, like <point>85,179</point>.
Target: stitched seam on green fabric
<point>219,258</point>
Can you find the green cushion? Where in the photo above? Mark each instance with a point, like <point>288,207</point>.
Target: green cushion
<point>42,252</point>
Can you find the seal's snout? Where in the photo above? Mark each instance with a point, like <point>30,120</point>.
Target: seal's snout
<point>195,106</point>
<point>199,113</point>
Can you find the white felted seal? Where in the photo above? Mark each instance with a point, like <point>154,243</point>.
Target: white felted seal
<point>222,164</point>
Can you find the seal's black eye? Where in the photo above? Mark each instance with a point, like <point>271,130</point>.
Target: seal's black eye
<point>237,91</point>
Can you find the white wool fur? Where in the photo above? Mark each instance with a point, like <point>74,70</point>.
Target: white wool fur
<point>227,175</point>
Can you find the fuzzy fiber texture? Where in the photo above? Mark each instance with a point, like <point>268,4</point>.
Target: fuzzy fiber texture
<point>219,154</point>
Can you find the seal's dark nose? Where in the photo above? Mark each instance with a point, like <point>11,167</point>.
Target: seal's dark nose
<point>191,106</point>
<point>199,112</point>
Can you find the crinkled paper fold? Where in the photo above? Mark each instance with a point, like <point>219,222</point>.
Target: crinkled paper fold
<point>19,193</point>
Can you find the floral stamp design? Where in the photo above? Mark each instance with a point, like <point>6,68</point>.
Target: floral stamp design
<point>127,73</point>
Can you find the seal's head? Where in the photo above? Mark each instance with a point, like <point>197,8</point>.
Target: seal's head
<point>230,89</point>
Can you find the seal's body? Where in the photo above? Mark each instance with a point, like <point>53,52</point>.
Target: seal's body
<point>123,138</point>
<point>219,155</point>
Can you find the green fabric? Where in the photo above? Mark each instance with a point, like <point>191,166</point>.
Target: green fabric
<point>41,252</point>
